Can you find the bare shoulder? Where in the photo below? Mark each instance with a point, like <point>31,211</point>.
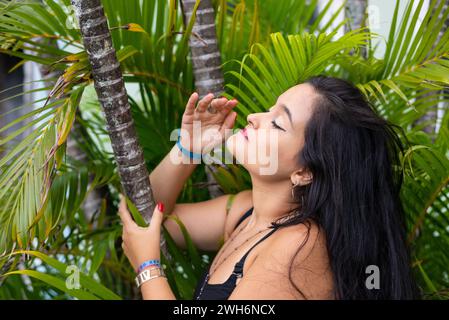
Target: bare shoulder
<point>308,234</point>
<point>295,258</point>
<point>304,248</point>
<point>242,202</point>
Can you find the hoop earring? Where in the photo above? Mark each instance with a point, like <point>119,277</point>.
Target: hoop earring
<point>293,188</point>
<point>302,195</point>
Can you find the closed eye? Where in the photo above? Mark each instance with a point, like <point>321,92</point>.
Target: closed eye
<point>276,126</point>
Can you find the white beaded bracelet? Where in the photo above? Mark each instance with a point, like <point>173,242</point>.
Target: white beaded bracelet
<point>146,275</point>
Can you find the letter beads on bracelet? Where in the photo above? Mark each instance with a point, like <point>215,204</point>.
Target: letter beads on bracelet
<point>148,263</point>
<point>146,275</point>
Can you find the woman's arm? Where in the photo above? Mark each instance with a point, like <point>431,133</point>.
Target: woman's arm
<point>168,178</point>
<point>141,244</point>
<point>157,289</point>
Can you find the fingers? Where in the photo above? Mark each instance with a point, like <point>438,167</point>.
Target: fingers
<point>158,215</point>
<point>228,123</point>
<point>228,106</point>
<point>202,105</point>
<point>190,108</point>
<point>218,103</point>
<point>125,216</point>
<point>223,105</point>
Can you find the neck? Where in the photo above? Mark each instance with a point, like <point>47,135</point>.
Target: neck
<point>271,201</point>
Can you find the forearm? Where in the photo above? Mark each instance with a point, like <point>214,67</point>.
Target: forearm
<point>157,289</point>
<point>169,177</point>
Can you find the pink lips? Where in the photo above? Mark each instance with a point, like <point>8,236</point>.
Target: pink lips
<point>245,134</point>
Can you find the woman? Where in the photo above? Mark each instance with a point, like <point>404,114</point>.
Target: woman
<point>327,224</point>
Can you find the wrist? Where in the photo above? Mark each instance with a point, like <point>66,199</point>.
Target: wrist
<point>148,274</point>
<point>189,148</point>
<point>191,141</point>
<point>187,151</point>
<point>177,157</point>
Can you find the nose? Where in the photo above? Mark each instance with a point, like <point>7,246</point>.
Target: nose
<point>253,120</point>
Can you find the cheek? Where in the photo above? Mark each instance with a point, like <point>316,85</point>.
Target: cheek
<point>289,150</point>
<point>249,153</point>
<point>279,153</point>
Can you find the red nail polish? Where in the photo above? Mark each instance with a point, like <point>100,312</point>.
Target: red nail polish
<point>160,206</point>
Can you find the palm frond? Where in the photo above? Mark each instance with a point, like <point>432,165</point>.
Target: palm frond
<point>88,289</point>
<point>284,63</point>
<point>412,59</point>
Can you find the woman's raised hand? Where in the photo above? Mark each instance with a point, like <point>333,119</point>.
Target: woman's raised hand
<point>204,126</point>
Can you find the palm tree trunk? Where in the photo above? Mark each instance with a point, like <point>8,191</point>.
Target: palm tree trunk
<point>355,10</point>
<point>203,44</point>
<point>206,59</point>
<point>113,98</point>
<point>111,91</point>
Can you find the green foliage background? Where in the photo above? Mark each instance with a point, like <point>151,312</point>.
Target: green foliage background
<point>263,54</point>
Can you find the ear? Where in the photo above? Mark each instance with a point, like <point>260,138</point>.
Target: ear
<point>301,177</point>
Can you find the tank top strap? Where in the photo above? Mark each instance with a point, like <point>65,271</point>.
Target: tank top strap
<point>238,269</point>
<point>246,215</point>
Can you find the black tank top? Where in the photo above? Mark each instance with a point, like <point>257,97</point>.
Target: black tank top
<point>221,291</point>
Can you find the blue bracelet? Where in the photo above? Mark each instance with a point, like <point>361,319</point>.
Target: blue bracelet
<point>148,263</point>
<point>191,154</point>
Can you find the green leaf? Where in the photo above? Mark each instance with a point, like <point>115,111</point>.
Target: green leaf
<point>135,213</point>
<point>86,282</point>
<point>56,283</point>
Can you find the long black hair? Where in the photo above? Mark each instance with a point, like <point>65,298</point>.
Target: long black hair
<point>354,157</point>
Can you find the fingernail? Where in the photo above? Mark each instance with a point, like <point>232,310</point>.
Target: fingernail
<point>160,206</point>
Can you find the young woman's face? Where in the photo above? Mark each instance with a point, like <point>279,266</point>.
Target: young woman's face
<point>272,140</point>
